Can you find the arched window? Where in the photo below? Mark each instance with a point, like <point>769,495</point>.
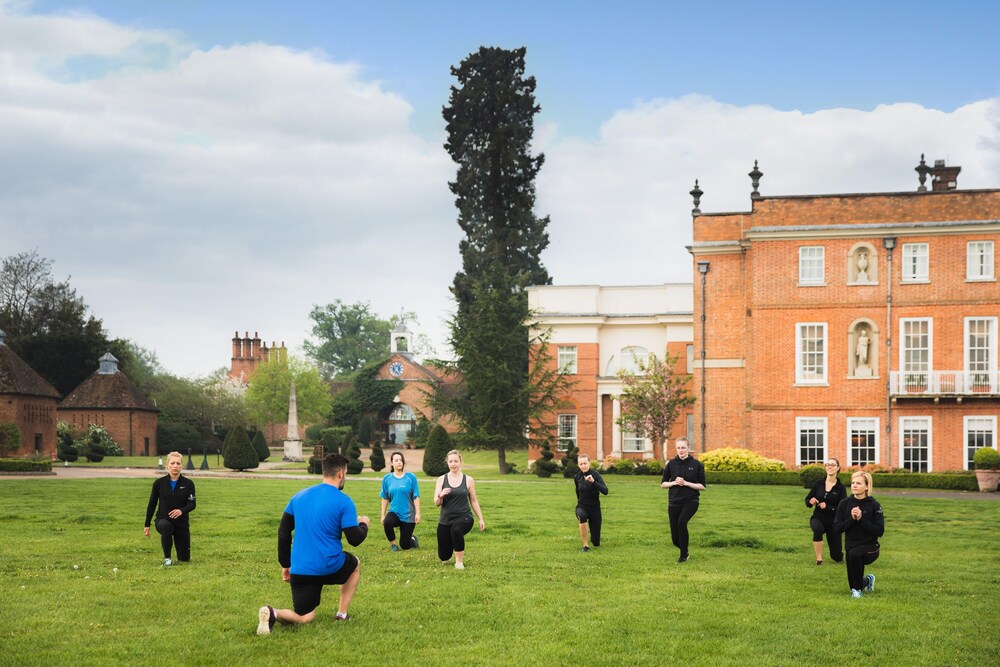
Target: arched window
<point>631,358</point>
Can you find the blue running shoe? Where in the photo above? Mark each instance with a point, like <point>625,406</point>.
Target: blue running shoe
<point>855,593</point>
<point>871,583</point>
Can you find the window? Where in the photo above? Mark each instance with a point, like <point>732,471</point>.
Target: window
<point>811,265</point>
<point>979,260</point>
<point>632,356</point>
<point>689,430</point>
<point>979,432</point>
<point>862,446</point>
<point>915,360</point>
<point>567,432</point>
<point>915,262</point>
<point>812,440</point>
<point>981,353</point>
<point>567,359</point>
<point>633,440</point>
<point>689,350</point>
<point>915,445</point>
<point>810,353</point>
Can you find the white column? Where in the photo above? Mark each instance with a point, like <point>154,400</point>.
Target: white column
<point>616,430</point>
<point>600,427</point>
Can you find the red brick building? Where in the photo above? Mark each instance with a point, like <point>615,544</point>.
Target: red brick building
<point>859,326</point>
<point>109,399</point>
<point>595,331</point>
<point>249,353</point>
<point>28,401</point>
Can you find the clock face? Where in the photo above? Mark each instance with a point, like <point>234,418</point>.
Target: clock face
<point>396,368</point>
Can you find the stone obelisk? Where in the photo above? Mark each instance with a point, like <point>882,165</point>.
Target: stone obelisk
<point>293,445</point>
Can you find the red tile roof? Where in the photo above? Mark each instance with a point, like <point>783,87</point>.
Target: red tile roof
<point>17,377</point>
<point>107,391</point>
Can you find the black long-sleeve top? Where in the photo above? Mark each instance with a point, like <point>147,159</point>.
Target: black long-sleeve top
<point>180,498</point>
<point>589,493</point>
<point>832,499</point>
<point>355,535</point>
<point>867,529</point>
<point>691,470</point>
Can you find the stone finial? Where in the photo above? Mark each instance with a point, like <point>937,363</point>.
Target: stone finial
<point>696,195</point>
<point>755,177</point>
<point>922,170</point>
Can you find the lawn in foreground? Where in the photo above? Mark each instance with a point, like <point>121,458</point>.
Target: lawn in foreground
<point>750,594</point>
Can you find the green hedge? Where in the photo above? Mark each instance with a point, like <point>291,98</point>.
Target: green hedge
<point>24,465</point>
<point>902,480</point>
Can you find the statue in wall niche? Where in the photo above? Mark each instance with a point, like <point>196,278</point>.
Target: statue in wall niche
<point>861,351</point>
<point>862,268</point>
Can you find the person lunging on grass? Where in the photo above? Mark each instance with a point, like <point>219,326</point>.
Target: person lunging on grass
<point>172,498</point>
<point>319,516</point>
<point>589,487</point>
<point>860,518</point>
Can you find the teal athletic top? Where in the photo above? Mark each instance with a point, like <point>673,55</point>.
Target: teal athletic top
<point>400,492</point>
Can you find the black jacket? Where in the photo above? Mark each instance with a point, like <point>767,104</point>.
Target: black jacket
<point>691,470</point>
<point>589,493</point>
<point>832,499</point>
<point>181,498</point>
<point>867,529</point>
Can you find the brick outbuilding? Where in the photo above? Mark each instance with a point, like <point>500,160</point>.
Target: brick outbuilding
<point>109,399</point>
<point>27,400</point>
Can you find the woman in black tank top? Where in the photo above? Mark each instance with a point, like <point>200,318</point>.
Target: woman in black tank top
<point>454,493</point>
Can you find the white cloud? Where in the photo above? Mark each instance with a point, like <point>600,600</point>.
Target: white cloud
<point>191,193</point>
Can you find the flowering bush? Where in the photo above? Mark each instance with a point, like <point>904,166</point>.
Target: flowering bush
<point>733,459</point>
<point>96,439</point>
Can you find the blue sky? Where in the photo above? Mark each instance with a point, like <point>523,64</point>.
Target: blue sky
<point>205,167</point>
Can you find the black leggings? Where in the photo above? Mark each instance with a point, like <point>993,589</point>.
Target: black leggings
<point>405,530</point>
<point>857,558</point>
<point>679,517</point>
<point>833,539</point>
<point>592,516</point>
<point>174,534</point>
<point>452,538</point>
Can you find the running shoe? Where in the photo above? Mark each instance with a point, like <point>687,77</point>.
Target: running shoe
<point>586,549</point>
<point>871,583</point>
<point>459,566</point>
<point>394,548</point>
<point>855,593</point>
<point>682,559</point>
<point>265,620</point>
<point>416,544</point>
<point>167,562</point>
<point>345,617</point>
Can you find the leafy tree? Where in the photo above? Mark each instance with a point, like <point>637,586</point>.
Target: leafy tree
<point>365,429</point>
<point>354,464</point>
<point>96,440</point>
<point>237,452</point>
<point>176,436</point>
<point>377,460</point>
<point>490,123</point>
<point>267,395</point>
<point>260,446</point>
<point>436,454</point>
<point>545,466</point>
<point>10,438</point>
<point>570,462</point>
<point>65,447</point>
<point>349,336</point>
<point>138,363</point>
<point>652,397</point>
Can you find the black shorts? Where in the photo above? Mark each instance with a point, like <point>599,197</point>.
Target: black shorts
<point>308,589</point>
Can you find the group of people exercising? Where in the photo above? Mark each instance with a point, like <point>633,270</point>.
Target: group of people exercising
<point>322,515</point>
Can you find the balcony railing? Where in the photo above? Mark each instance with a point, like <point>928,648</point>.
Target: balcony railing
<point>948,383</point>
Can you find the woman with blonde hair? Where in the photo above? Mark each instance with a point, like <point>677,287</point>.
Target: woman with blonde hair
<point>454,493</point>
<point>172,499</point>
<point>860,518</point>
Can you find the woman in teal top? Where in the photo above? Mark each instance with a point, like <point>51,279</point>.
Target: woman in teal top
<point>401,497</point>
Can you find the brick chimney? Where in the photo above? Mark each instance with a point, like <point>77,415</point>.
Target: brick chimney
<point>943,178</point>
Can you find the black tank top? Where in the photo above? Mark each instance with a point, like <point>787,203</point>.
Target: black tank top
<point>455,505</point>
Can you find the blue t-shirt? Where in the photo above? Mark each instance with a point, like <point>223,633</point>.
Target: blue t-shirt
<point>321,513</point>
<point>400,492</point>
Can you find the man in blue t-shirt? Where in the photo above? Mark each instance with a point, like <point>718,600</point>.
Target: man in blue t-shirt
<point>319,516</point>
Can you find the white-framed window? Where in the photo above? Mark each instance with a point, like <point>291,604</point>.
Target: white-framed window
<point>689,430</point>
<point>979,260</point>
<point>979,432</point>
<point>811,265</point>
<point>810,353</point>
<point>916,358</point>
<point>633,440</point>
<point>915,262</point>
<point>567,359</point>
<point>632,356</point>
<point>689,352</point>
<point>567,432</point>
<point>981,353</point>
<point>811,435</point>
<point>915,443</point>
<point>862,440</point>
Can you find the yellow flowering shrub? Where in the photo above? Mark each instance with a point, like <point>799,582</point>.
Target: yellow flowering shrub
<point>734,459</point>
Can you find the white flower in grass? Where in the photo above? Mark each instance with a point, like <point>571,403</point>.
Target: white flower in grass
<point>76,567</point>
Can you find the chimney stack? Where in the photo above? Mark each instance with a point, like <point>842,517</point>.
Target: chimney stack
<point>943,178</point>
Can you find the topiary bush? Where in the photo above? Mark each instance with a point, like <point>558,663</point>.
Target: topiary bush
<point>237,451</point>
<point>97,441</point>
<point>377,459</point>
<point>570,462</point>
<point>986,458</point>
<point>259,443</point>
<point>735,459</point>
<point>420,433</point>
<point>544,466</point>
<point>315,466</point>
<point>315,432</point>
<point>365,429</point>
<point>65,448</point>
<point>354,463</point>
<point>810,474</point>
<point>436,454</point>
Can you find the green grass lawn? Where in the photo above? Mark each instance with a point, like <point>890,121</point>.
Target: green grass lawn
<point>750,594</point>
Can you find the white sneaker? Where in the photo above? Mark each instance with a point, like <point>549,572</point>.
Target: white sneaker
<point>459,566</point>
<point>167,562</point>
<point>264,621</point>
